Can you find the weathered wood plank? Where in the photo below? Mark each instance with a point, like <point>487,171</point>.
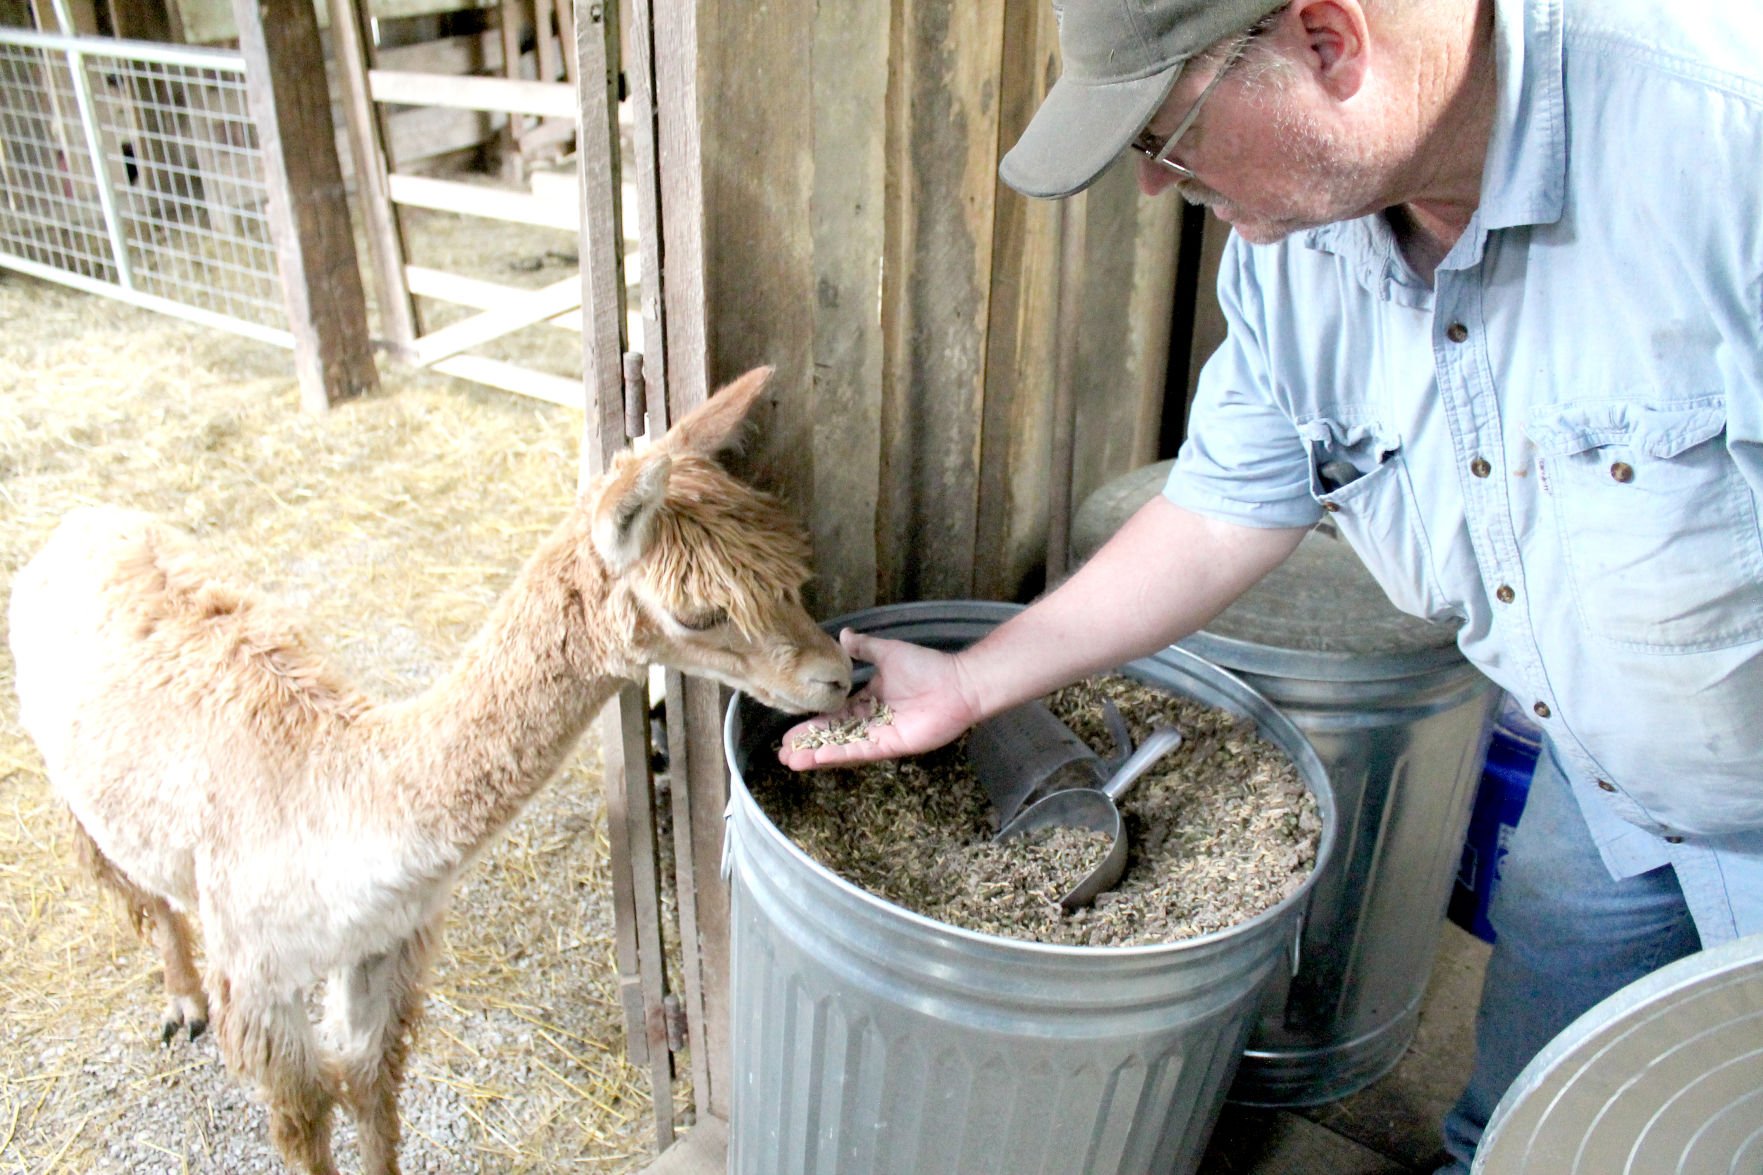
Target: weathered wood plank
<point>545,47</point>
<point>482,295</point>
<point>1016,437</point>
<point>631,826</point>
<point>847,229</point>
<point>942,167</point>
<point>415,134</point>
<point>642,178</point>
<point>1067,328</point>
<point>701,777</point>
<point>459,55</point>
<point>521,309</point>
<point>758,264</point>
<point>308,210</point>
<point>706,778</point>
<point>680,150</point>
<point>1122,361</point>
<point>510,377</point>
<point>679,753</point>
<point>468,92</point>
<point>423,191</point>
<point>602,238</point>
<point>352,52</point>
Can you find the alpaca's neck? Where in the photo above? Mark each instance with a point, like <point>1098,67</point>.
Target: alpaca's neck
<point>478,744</point>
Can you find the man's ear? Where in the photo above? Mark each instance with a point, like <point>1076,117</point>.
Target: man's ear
<point>1337,37</point>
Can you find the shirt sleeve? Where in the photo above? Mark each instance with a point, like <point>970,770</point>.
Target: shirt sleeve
<point>1243,460</point>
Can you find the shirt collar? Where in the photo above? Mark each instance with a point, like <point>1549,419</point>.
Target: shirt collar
<point>1524,177</point>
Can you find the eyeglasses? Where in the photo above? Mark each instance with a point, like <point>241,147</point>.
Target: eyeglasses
<point>1157,152</point>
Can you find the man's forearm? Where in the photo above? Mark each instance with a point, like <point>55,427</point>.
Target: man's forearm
<point>1164,575</point>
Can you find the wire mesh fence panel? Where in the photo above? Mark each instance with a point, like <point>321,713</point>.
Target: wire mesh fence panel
<point>53,213</point>
<point>134,169</point>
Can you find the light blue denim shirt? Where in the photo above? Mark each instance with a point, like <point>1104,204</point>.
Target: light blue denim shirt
<point>1561,443</point>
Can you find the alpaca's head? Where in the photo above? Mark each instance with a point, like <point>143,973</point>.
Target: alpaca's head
<point>712,569</point>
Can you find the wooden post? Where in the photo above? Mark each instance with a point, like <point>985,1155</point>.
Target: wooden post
<point>308,209</point>
<point>695,706</point>
<point>1069,322</point>
<point>512,18</point>
<point>352,45</point>
<point>630,811</point>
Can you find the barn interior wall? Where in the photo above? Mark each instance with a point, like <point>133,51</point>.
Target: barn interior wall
<point>858,237</point>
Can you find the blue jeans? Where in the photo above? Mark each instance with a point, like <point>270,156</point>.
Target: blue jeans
<point>1568,937</point>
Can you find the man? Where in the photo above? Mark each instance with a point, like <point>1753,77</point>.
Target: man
<point>1495,303</point>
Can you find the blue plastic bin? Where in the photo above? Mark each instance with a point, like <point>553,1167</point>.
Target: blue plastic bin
<point>1499,801</point>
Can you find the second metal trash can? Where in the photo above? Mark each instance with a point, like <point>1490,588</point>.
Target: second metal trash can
<point>1401,723</point>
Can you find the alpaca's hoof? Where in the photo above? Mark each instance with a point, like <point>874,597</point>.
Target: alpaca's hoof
<point>169,1029</point>
<point>183,1013</point>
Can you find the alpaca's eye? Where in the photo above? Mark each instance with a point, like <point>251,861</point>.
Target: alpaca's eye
<point>703,620</point>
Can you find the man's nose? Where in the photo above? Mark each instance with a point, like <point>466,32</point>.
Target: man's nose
<point>1154,180</point>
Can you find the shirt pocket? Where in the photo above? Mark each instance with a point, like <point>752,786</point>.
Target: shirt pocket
<point>1358,475</point>
<point>1658,527</point>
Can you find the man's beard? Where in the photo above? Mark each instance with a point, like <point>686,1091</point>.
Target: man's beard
<point>1345,180</point>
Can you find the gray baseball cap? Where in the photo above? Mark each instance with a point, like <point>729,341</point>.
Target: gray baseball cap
<point>1121,59</point>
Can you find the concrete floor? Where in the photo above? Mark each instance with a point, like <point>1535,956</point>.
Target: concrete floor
<point>1389,1128</point>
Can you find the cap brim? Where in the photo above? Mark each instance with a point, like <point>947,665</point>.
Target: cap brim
<point>1079,130</point>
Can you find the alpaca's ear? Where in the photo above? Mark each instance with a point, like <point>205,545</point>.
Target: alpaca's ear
<point>715,424</point>
<point>624,516</point>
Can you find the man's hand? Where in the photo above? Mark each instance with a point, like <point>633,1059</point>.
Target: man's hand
<point>916,702</point>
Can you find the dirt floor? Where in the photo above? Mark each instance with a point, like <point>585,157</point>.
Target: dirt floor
<point>390,523</point>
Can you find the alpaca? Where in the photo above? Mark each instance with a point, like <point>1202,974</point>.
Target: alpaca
<point>215,767</point>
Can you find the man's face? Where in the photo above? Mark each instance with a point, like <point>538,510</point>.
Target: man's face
<point>1269,155</point>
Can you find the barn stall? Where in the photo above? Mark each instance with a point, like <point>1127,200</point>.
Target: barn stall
<point>958,368</point>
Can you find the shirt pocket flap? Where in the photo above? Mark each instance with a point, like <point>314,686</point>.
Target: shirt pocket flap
<point>1656,430</point>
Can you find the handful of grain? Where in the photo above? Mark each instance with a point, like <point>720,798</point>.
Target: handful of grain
<point>850,729</point>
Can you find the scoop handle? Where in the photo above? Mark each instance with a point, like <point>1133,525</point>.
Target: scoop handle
<point>1156,745</point>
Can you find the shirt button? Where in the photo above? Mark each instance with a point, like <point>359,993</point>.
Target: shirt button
<point>1622,471</point>
<point>1606,785</point>
<point>1505,594</point>
<point>1331,507</point>
<point>1674,840</point>
<point>1480,467</point>
<point>1541,710</point>
<point>1456,332</point>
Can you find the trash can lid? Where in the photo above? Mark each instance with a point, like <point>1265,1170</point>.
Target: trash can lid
<point>1319,615</point>
<point>1665,1075</point>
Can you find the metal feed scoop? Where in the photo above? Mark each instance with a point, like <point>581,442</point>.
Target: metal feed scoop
<point>1038,775</point>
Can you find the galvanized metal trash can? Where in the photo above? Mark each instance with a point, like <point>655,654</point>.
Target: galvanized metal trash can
<point>869,1040</point>
<point>1401,722</point>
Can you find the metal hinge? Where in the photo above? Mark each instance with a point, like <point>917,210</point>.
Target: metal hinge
<point>636,397</point>
<point>674,1017</point>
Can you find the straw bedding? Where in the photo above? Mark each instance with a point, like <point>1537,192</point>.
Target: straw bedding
<point>391,524</point>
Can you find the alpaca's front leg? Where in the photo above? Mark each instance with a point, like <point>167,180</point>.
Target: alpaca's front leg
<point>270,1040</point>
<point>371,1012</point>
